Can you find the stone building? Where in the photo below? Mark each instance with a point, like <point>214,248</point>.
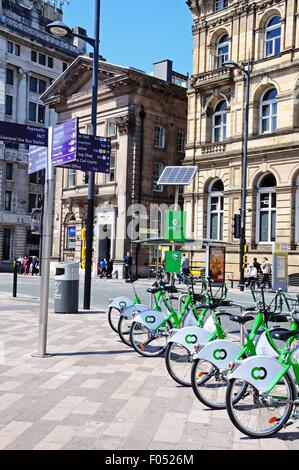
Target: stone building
<point>145,116</point>
<point>266,33</point>
<point>30,59</point>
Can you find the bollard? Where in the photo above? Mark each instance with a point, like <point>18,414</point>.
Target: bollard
<point>15,279</point>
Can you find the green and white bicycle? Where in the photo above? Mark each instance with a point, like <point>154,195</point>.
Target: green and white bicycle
<point>150,329</point>
<point>270,386</point>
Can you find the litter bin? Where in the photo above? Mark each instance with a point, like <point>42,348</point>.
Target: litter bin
<point>66,287</point>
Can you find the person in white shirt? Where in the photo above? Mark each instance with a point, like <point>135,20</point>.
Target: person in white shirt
<point>252,276</point>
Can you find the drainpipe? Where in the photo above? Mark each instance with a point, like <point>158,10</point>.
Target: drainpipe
<point>142,115</point>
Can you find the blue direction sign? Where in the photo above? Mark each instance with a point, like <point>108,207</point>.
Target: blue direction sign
<point>93,154</point>
<point>37,159</point>
<point>23,134</point>
<point>65,142</point>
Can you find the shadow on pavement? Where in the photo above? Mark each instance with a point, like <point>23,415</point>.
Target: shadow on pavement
<point>91,353</point>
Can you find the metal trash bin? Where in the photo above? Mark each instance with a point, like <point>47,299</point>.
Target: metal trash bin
<point>66,287</point>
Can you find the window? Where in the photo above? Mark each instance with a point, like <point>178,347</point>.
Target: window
<point>32,202</point>
<point>37,85</point>
<point>6,244</point>
<point>181,141</point>
<point>268,112</point>
<point>273,36</point>
<point>71,178</point>
<point>9,171</point>
<point>50,62</point>
<point>31,238</point>
<point>10,47</point>
<point>159,137</point>
<point>17,49</point>
<point>222,51</point>
<point>111,175</point>
<point>215,210</point>
<point>219,4</point>
<point>157,172</point>
<point>8,105</point>
<point>111,129</point>
<point>266,209</point>
<point>42,59</point>
<point>37,177</point>
<point>36,112</point>
<point>219,122</point>
<point>33,56</point>
<point>9,76</point>
<point>64,66</point>
<point>7,200</point>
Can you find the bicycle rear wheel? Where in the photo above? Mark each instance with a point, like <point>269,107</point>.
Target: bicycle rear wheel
<point>178,360</point>
<point>147,343</point>
<point>257,417</point>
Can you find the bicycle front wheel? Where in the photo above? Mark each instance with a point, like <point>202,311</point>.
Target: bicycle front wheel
<point>178,360</point>
<point>148,343</point>
<point>124,326</point>
<point>258,416</point>
<point>113,318</point>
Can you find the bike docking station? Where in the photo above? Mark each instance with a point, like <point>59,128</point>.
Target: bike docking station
<point>57,146</point>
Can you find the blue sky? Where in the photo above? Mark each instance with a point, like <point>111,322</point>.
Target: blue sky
<point>138,33</point>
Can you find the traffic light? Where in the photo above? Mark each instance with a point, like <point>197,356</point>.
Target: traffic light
<point>237,226</point>
<point>85,177</point>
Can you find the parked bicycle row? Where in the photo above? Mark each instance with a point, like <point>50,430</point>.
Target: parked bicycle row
<point>255,376</point>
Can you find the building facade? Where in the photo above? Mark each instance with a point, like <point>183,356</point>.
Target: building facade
<point>30,60</point>
<point>145,116</point>
<point>265,33</point>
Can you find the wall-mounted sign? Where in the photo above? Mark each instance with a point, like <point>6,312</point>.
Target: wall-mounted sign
<point>173,261</point>
<point>36,221</point>
<point>22,134</point>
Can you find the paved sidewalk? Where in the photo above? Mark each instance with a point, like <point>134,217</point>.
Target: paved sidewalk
<point>96,393</point>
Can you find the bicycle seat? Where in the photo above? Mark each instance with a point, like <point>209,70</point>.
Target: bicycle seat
<point>171,289</point>
<point>283,335</point>
<point>278,318</point>
<point>153,290</point>
<point>239,319</point>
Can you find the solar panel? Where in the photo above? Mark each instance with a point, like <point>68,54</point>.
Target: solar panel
<point>178,175</point>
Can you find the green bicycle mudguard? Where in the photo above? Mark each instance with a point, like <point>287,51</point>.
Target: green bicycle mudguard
<point>191,337</point>
<point>220,353</point>
<point>150,318</point>
<point>259,371</point>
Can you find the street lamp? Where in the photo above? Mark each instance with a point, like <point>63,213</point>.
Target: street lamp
<point>61,30</point>
<point>246,72</point>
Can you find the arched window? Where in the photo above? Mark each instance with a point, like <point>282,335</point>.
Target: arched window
<point>266,209</point>
<point>273,36</point>
<point>219,122</point>
<point>222,50</point>
<point>219,4</point>
<point>215,210</point>
<point>268,111</point>
<point>297,211</point>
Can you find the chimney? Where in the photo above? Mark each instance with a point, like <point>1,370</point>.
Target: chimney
<point>163,70</point>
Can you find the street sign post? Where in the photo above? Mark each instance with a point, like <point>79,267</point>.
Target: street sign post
<point>65,142</point>
<point>280,266</point>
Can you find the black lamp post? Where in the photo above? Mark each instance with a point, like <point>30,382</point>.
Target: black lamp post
<point>58,28</point>
<point>247,74</point>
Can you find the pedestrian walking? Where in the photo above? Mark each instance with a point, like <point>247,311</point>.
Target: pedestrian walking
<point>103,267</point>
<point>25,266</point>
<point>257,265</point>
<point>128,262</point>
<point>109,268</point>
<point>266,270</point>
<point>34,266</point>
<point>185,267</point>
<point>21,264</point>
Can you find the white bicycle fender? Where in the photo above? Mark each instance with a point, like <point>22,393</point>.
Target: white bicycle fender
<point>259,371</point>
<point>190,337</point>
<point>131,311</point>
<point>264,348</point>
<point>219,352</point>
<point>121,302</point>
<point>150,318</point>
